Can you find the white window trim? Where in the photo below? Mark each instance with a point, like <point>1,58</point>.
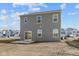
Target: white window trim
<point>25,18</point>
<point>55,16</point>
<point>37,19</point>
<point>39,31</point>
<point>55,31</point>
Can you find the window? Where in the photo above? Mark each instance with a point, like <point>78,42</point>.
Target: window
<point>55,18</point>
<point>39,19</point>
<point>25,19</point>
<point>55,33</point>
<point>39,33</point>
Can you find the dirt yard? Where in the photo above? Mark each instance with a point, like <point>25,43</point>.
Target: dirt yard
<point>38,49</point>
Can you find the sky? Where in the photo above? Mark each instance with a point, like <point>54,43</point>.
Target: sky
<point>9,13</point>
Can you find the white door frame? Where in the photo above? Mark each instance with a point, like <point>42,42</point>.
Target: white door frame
<point>24,36</point>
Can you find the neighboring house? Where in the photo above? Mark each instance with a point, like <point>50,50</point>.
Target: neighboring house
<point>63,33</point>
<point>5,33</point>
<point>41,26</point>
<point>69,31</point>
<point>77,34</point>
<point>9,33</point>
<point>72,32</point>
<point>16,33</point>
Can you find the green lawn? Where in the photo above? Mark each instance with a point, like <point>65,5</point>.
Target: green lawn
<point>7,40</point>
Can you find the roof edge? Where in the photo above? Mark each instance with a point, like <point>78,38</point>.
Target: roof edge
<point>52,11</point>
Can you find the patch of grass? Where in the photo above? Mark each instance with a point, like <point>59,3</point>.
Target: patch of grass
<point>74,43</point>
<point>7,40</point>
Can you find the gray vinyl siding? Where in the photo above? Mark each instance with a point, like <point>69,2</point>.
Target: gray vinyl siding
<point>47,27</point>
<point>21,28</point>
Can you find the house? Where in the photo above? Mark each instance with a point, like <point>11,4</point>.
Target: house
<point>41,26</point>
<point>7,33</point>
<point>4,32</point>
<point>71,32</point>
<point>77,34</point>
<point>13,33</point>
<point>63,33</point>
<point>16,33</point>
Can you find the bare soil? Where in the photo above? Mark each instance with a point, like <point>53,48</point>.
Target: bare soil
<point>74,43</point>
<point>38,49</point>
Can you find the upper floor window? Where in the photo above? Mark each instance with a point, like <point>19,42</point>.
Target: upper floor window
<point>55,33</point>
<point>55,18</point>
<point>25,19</point>
<point>39,19</point>
<point>39,33</point>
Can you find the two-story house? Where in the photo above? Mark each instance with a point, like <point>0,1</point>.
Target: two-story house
<point>41,26</point>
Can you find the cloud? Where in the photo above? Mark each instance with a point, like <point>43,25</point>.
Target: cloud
<point>5,27</point>
<point>34,9</point>
<point>63,6</point>
<point>15,24</point>
<point>72,13</point>
<point>3,11</point>
<point>77,6</point>
<point>43,5</point>
<point>4,17</point>
<point>17,28</point>
<point>29,4</point>
<point>16,19</point>
<point>15,16</point>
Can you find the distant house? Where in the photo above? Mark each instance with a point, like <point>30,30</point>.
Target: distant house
<point>77,34</point>
<point>63,33</point>
<point>16,33</point>
<point>72,31</point>
<point>4,32</point>
<point>41,26</point>
<point>9,33</point>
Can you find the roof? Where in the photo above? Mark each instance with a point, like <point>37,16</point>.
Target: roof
<point>46,12</point>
